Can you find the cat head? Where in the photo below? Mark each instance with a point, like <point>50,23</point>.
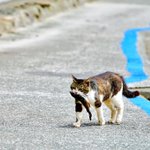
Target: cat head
<point>80,85</point>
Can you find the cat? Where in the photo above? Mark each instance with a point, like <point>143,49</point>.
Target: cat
<point>107,88</point>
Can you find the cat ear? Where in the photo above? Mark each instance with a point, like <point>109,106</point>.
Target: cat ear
<point>74,78</point>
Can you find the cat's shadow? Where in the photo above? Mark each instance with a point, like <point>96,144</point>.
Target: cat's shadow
<point>91,124</point>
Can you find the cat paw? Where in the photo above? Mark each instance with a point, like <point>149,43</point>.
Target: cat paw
<point>101,123</point>
<point>111,122</point>
<point>118,122</point>
<point>114,122</point>
<point>77,125</point>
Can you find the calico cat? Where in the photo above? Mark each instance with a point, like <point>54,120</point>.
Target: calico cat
<point>107,88</point>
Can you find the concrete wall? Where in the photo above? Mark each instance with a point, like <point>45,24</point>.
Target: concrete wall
<point>17,13</point>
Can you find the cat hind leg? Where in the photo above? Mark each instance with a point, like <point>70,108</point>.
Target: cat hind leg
<point>120,110</point>
<point>113,110</point>
<point>117,101</point>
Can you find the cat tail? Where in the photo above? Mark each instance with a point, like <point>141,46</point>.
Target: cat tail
<point>126,92</point>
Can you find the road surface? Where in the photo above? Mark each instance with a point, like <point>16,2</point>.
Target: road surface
<point>36,110</point>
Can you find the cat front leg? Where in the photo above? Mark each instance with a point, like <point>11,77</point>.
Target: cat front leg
<point>100,116</point>
<point>99,109</point>
<point>78,109</point>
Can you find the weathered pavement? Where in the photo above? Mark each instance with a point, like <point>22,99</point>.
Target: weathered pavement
<point>36,110</point>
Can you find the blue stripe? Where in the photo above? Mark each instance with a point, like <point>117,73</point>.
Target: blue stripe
<point>134,64</point>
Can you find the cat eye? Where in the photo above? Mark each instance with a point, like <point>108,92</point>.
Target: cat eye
<point>82,86</point>
<point>86,83</point>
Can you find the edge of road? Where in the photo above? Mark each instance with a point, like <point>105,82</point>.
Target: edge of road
<point>135,65</point>
<point>16,14</point>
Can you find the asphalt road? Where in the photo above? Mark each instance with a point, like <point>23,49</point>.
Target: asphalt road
<point>36,110</point>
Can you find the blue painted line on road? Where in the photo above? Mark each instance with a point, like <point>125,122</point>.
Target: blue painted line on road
<point>134,64</point>
<point>142,103</point>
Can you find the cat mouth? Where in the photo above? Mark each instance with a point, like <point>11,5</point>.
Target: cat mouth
<point>74,91</point>
<point>79,93</point>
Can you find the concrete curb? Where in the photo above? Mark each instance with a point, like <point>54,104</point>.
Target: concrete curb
<point>23,13</point>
